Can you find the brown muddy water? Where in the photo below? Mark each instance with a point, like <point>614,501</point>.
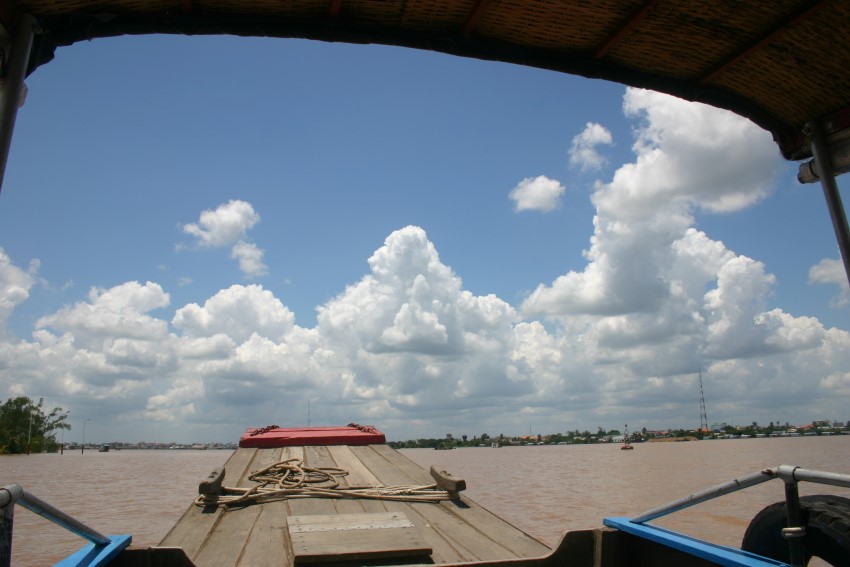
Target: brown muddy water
<point>544,490</point>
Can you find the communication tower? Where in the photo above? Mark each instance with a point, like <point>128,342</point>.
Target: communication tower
<point>703,418</point>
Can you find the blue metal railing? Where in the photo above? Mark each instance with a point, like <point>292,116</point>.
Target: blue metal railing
<point>14,494</point>
<point>790,475</point>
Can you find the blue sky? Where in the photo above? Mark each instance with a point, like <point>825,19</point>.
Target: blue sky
<point>201,234</point>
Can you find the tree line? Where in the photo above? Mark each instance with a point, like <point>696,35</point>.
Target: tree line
<point>26,427</point>
<point>602,435</point>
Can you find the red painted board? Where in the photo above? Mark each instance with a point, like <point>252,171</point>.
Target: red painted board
<point>270,437</point>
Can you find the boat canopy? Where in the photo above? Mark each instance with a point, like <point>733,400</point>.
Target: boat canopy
<point>781,63</point>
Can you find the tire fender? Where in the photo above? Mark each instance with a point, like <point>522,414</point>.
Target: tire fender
<point>827,522</point>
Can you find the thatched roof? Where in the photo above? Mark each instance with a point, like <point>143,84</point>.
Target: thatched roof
<point>779,62</point>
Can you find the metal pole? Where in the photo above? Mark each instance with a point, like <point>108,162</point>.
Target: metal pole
<point>707,494</point>
<point>13,84</point>
<point>820,151</point>
<point>790,473</point>
<point>83,444</point>
<point>8,496</point>
<point>795,532</point>
<point>45,510</point>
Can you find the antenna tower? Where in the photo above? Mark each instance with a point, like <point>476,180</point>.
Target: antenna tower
<point>703,424</point>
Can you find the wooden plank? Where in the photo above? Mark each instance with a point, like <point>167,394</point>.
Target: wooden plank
<point>354,536</point>
<point>447,546</point>
<point>305,506</point>
<point>190,532</point>
<point>342,522</point>
<point>410,470</point>
<point>358,475</point>
<point>448,542</point>
<point>517,541</point>
<point>475,533</point>
<point>229,537</point>
<point>313,457</point>
<point>452,543</point>
<point>324,457</point>
<point>267,542</point>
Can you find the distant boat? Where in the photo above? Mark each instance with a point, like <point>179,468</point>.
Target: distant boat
<point>495,445</point>
<point>627,445</point>
<point>103,448</point>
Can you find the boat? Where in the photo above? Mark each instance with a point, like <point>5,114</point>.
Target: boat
<point>781,63</point>
<point>627,444</point>
<point>103,448</point>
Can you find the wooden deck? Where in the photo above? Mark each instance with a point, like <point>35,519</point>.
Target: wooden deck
<point>456,531</point>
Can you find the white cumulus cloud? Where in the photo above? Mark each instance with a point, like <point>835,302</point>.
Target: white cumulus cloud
<point>537,194</point>
<point>411,336</point>
<point>15,285</point>
<point>228,225</point>
<point>584,152</point>
<point>237,312</point>
<point>250,259</point>
<point>121,311</point>
<point>687,155</point>
<point>224,226</point>
<point>830,271</point>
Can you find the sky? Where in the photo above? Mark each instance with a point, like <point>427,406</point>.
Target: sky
<point>201,235</point>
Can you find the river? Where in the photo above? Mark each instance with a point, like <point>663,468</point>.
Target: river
<point>544,490</point>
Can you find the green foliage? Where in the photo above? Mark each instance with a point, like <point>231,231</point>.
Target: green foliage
<point>24,424</point>
<point>556,438</point>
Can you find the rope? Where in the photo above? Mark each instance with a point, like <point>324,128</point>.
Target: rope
<point>290,479</point>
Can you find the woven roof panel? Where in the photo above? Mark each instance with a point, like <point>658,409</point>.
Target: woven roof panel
<point>790,58</point>
<point>63,7</point>
<point>796,88</point>
<point>701,37</point>
<point>280,8</point>
<point>562,26</point>
<point>440,16</point>
<point>373,12</point>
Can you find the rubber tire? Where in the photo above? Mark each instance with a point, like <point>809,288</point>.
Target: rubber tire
<point>827,522</point>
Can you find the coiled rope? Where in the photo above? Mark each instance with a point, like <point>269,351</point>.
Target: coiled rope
<point>290,479</point>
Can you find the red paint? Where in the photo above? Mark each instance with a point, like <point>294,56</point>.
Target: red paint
<point>266,438</point>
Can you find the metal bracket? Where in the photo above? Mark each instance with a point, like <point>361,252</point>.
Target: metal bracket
<point>795,532</point>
